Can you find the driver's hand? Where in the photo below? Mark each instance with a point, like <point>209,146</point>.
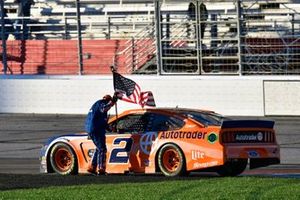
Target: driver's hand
<point>117,95</point>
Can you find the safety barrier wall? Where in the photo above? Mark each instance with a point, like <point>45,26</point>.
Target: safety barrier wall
<point>243,96</point>
<point>282,97</point>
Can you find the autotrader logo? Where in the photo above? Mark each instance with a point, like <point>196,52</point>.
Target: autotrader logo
<point>244,137</point>
<point>260,136</point>
<point>146,142</point>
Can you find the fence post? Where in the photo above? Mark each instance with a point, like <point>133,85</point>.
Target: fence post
<point>293,24</point>
<point>66,27</point>
<point>158,36</point>
<point>79,36</point>
<point>239,34</point>
<point>108,28</point>
<point>198,36</point>
<point>4,56</point>
<point>133,54</point>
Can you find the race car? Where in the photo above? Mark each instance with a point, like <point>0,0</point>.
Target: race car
<point>172,141</point>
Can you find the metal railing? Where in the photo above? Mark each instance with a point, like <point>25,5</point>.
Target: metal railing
<point>249,38</point>
<point>65,27</point>
<point>138,50</point>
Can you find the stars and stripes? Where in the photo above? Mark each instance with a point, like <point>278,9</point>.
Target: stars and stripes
<point>147,99</point>
<point>131,92</point>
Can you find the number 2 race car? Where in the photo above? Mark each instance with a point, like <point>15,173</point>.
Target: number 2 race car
<point>173,141</point>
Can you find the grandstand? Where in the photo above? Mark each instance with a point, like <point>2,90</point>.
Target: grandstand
<point>241,37</point>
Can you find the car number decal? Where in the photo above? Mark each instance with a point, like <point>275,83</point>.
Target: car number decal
<point>120,153</point>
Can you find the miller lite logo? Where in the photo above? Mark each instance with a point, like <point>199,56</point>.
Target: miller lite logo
<point>196,154</point>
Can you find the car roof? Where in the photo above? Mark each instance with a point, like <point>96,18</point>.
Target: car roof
<point>174,111</point>
<point>183,113</point>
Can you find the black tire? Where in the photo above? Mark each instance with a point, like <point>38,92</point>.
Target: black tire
<point>63,159</point>
<point>233,167</point>
<point>171,160</point>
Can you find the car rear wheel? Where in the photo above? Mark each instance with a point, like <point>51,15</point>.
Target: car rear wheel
<point>171,161</point>
<point>233,167</point>
<point>63,159</point>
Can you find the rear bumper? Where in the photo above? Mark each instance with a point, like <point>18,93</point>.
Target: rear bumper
<point>259,154</point>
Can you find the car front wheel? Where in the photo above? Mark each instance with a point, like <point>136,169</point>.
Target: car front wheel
<point>63,159</point>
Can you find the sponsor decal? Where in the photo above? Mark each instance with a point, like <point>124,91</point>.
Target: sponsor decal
<point>147,140</point>
<point>260,136</point>
<point>196,154</point>
<point>182,134</point>
<point>212,138</point>
<point>206,164</point>
<point>249,137</point>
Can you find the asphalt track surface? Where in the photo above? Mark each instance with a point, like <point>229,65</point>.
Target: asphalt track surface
<point>22,136</point>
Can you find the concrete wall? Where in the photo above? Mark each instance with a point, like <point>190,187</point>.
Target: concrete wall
<point>282,97</point>
<point>244,96</point>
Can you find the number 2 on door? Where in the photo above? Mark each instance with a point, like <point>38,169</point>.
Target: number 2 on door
<point>120,153</point>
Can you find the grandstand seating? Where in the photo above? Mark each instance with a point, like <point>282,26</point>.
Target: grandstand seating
<point>108,26</point>
<point>128,17</point>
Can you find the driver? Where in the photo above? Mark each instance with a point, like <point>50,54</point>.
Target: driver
<point>95,125</point>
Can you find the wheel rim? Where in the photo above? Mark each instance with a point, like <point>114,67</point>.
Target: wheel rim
<point>63,159</point>
<point>171,160</point>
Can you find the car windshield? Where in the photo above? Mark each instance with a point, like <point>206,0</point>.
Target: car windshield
<point>205,118</point>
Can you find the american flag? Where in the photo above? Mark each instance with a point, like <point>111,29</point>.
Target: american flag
<point>131,92</point>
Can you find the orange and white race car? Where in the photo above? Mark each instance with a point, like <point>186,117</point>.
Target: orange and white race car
<point>173,141</point>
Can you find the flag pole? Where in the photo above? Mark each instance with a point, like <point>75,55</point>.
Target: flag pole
<point>113,70</point>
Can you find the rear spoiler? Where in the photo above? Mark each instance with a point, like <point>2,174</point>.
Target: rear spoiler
<point>247,124</point>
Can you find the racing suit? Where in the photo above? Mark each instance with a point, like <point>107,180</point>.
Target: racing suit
<point>95,125</point>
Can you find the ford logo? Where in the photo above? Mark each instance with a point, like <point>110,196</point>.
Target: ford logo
<point>253,154</point>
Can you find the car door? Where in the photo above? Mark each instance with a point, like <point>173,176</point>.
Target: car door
<point>123,143</point>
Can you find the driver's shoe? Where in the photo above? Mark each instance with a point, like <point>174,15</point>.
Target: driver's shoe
<point>92,169</point>
<point>101,171</point>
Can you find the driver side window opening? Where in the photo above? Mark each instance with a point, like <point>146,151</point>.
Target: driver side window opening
<point>148,122</point>
<point>160,122</point>
<point>135,123</point>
